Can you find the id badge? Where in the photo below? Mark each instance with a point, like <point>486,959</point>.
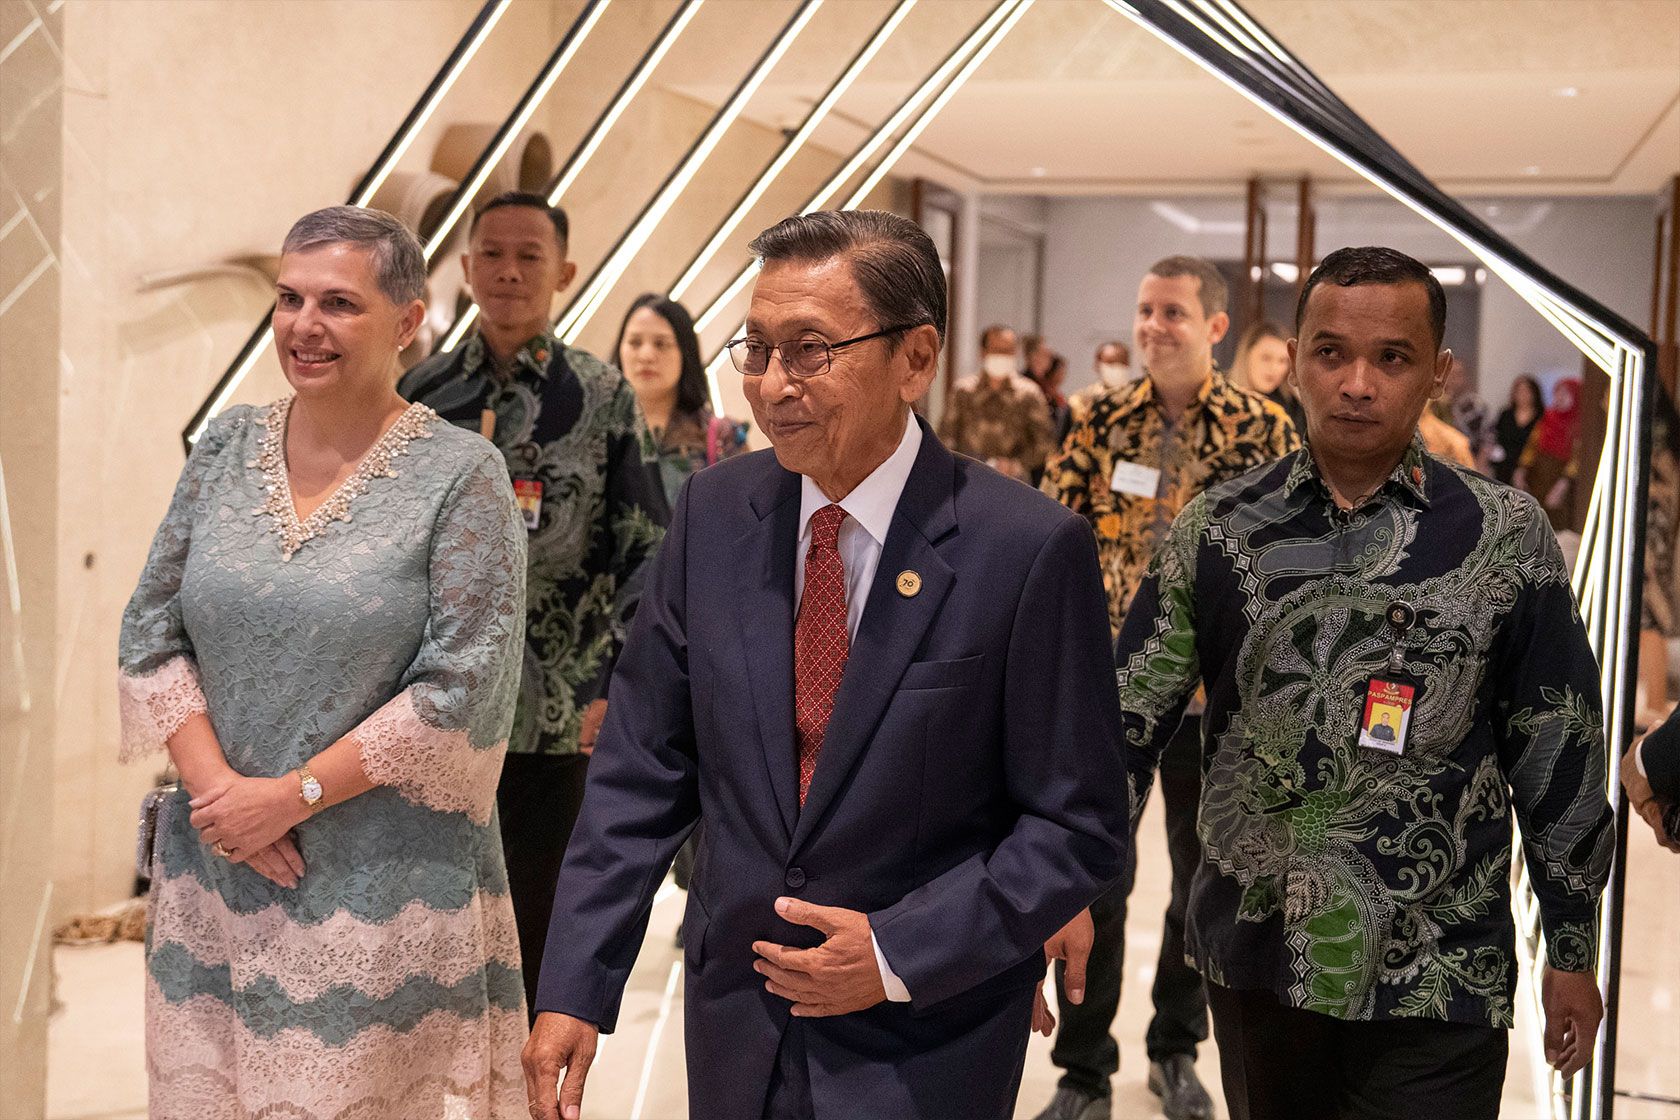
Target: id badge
<point>528,493</point>
<point>1387,717</point>
<point>1135,478</point>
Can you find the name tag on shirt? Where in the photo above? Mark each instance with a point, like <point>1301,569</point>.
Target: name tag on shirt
<point>528,493</point>
<point>1388,715</point>
<point>1135,478</point>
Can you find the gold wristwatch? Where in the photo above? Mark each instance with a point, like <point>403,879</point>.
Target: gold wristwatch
<point>309,789</point>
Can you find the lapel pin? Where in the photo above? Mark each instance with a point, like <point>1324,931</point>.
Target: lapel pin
<point>909,583</point>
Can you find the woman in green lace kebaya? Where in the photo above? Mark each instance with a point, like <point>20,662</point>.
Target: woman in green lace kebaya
<point>326,640</point>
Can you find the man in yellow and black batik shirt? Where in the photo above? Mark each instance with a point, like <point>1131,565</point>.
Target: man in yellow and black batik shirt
<point>1134,457</point>
<point>1352,913</point>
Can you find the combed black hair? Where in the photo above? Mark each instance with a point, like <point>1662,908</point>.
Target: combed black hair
<point>532,201</point>
<point>1377,264</point>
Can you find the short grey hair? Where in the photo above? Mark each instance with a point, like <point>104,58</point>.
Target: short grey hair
<point>893,261</point>
<point>399,264</point>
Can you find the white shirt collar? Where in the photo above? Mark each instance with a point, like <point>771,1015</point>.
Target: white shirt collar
<point>872,502</point>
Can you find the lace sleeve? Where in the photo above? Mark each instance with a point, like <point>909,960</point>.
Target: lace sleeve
<point>157,676</point>
<point>441,740</point>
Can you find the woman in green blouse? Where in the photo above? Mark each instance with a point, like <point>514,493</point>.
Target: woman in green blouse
<point>660,356</point>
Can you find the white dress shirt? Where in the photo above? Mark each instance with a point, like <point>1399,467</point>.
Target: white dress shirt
<point>869,513</point>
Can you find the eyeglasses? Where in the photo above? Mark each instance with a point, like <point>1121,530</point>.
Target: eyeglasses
<point>801,357</point>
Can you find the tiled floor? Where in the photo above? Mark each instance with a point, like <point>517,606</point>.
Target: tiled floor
<point>97,1065</point>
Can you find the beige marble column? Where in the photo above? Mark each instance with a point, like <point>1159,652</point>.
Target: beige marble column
<point>31,147</point>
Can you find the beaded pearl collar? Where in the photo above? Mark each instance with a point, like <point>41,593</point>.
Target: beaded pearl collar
<point>414,423</point>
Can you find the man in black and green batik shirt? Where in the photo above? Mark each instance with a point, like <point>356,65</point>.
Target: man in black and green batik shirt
<point>1352,911</point>
<point>582,466</point>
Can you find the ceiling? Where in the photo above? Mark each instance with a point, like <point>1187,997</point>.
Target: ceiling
<point>1485,96</point>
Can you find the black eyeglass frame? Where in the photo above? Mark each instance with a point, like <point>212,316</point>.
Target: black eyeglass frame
<point>828,357</point>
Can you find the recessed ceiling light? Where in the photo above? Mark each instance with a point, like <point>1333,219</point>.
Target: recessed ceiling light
<point>1493,211</point>
<point>1039,172</point>
<point>1481,276</point>
<point>1566,91</point>
<point>1531,170</point>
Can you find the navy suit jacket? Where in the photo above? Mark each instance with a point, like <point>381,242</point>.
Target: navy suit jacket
<point>970,796</point>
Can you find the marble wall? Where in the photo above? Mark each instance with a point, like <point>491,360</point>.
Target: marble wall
<point>31,676</point>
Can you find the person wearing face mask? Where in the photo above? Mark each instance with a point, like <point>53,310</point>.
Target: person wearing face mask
<point>1262,364</point>
<point>998,416</point>
<point>660,356</point>
<point>1112,364</point>
<point>579,457</point>
<point>1129,465</point>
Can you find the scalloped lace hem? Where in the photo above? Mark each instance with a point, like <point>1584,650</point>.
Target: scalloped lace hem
<point>153,707</point>
<point>436,768</point>
<point>202,1062</point>
<point>375,958</point>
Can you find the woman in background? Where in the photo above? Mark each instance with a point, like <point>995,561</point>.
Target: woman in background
<point>326,640</point>
<point>660,356</point>
<point>1515,424</point>
<point>1547,466</point>
<point>1048,369</point>
<point>1262,365</point>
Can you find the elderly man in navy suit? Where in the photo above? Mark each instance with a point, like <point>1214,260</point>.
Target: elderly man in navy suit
<point>879,675</point>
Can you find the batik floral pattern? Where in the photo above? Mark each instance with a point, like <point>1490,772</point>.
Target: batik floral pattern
<point>567,423</point>
<point>1355,882</point>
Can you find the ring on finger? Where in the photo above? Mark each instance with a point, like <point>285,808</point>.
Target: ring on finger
<point>221,850</point>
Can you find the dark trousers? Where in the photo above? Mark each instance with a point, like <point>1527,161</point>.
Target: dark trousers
<point>538,802</point>
<point>1085,1048</point>
<point>1286,1063</point>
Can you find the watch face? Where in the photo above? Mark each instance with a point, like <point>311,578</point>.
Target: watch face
<point>311,791</point>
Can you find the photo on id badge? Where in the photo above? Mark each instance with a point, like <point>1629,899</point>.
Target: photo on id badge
<point>1388,715</point>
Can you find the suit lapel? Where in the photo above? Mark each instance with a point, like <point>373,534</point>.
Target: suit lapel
<point>764,565</point>
<point>892,627</point>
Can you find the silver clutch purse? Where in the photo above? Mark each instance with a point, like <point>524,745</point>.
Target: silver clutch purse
<point>152,807</point>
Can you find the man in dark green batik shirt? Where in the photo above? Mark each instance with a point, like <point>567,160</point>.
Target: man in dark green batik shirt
<point>1352,912</point>
<point>582,468</point>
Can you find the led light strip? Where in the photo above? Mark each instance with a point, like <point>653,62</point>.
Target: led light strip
<point>1546,304</point>
<point>583,308</point>
<point>905,112</point>
<point>1605,576</point>
<point>511,128</point>
<point>819,112</point>
<point>433,97</point>
<point>944,98</point>
<point>603,125</point>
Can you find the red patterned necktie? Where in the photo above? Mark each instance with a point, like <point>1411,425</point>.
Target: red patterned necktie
<point>820,643</point>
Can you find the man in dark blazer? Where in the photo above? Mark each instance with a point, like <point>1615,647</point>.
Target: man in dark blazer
<point>879,675</point>
<point>1651,776</point>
